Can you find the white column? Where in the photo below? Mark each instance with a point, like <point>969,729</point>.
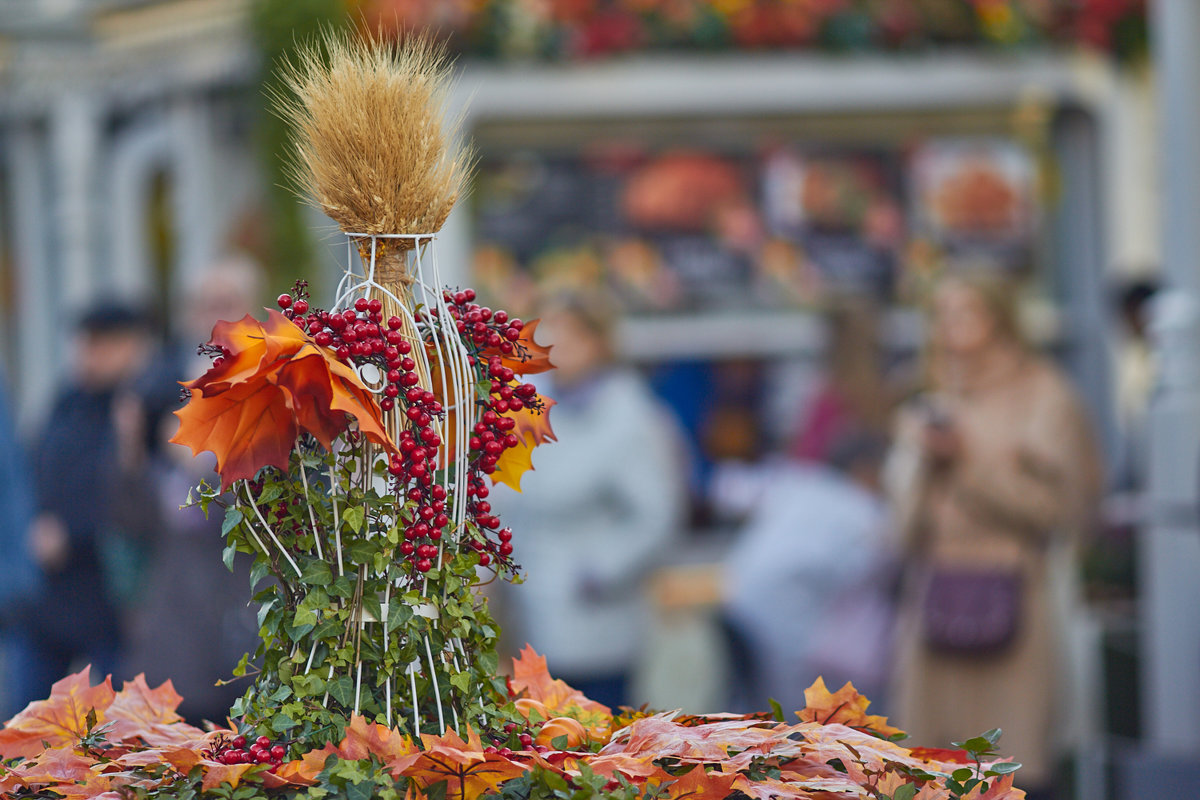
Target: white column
<point>41,340</point>
<point>74,136</point>
<point>136,154</point>
<point>193,201</point>
<point>1170,556</point>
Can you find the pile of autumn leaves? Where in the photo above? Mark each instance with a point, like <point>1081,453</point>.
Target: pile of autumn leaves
<point>93,742</point>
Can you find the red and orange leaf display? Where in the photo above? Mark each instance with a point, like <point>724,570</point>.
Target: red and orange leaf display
<point>674,756</point>
<point>274,383</point>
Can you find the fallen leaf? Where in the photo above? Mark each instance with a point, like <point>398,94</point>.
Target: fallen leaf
<point>467,770</point>
<point>846,707</point>
<point>59,720</point>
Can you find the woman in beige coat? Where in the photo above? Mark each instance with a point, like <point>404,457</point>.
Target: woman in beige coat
<point>994,471</point>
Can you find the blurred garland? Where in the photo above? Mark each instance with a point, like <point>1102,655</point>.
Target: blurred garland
<point>572,29</point>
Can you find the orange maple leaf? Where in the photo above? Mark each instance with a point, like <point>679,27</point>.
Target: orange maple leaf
<point>845,707</point>
<point>58,721</point>
<point>274,383</point>
<point>528,357</point>
<point>139,712</point>
<point>305,769</point>
<point>531,678</point>
<point>216,773</point>
<point>364,738</point>
<point>697,782</point>
<point>467,770</point>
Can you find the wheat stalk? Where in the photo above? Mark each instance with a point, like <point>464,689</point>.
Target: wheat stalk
<point>372,145</point>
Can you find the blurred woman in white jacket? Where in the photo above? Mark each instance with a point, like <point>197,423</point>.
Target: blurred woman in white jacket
<point>599,509</point>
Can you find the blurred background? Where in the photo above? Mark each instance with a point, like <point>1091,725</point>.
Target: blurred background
<point>747,204</point>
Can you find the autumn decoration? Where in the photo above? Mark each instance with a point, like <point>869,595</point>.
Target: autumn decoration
<point>356,447</point>
<point>92,741</point>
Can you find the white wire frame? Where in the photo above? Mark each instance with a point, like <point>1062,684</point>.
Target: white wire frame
<point>458,398</point>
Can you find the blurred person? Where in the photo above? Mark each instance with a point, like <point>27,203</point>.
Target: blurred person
<point>854,395</point>
<point>193,622</point>
<point>19,576</point>
<point>73,619</point>
<point>995,473</point>
<point>601,505</point>
<point>802,589</point>
<point>1136,372</point>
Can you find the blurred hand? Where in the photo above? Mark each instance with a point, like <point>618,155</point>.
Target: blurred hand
<point>49,543</point>
<point>942,444</point>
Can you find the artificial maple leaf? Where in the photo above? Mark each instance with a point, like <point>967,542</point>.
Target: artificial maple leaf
<point>251,348</point>
<point>305,769</point>
<point>846,707</point>
<point>216,773</point>
<point>941,754</point>
<point>528,357</point>
<point>531,678</point>
<point>512,464</point>
<point>364,738</point>
<point>532,428</point>
<point>139,712</point>
<point>535,425</point>
<point>60,720</point>
<point>274,383</point>
<point>735,743</point>
<point>468,771</point>
<point>52,767</point>
<point>247,427</point>
<point>698,783</point>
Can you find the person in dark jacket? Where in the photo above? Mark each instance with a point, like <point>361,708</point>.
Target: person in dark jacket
<point>72,620</point>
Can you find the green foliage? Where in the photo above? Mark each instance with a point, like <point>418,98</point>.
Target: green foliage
<point>341,612</point>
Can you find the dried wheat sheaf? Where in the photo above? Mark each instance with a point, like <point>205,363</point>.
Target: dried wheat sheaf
<point>373,147</point>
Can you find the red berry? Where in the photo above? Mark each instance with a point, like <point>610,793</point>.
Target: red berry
<point>525,739</point>
<point>387,403</point>
<point>394,323</point>
<point>300,307</point>
<point>424,565</point>
<point>324,338</point>
<point>374,305</point>
<point>506,549</point>
<point>278,751</point>
<point>406,548</point>
<point>239,742</point>
<point>361,304</point>
<point>484,559</point>
<point>263,741</point>
<point>284,301</point>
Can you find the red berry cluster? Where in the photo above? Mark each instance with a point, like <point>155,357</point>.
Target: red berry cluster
<point>360,335</point>
<point>481,325</point>
<point>240,750</point>
<point>491,336</point>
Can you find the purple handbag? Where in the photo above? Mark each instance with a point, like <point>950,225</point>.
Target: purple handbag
<point>972,611</point>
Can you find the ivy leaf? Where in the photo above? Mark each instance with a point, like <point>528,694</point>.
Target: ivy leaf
<point>233,518</point>
<point>354,517</point>
<point>342,690</point>
<point>317,572</point>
